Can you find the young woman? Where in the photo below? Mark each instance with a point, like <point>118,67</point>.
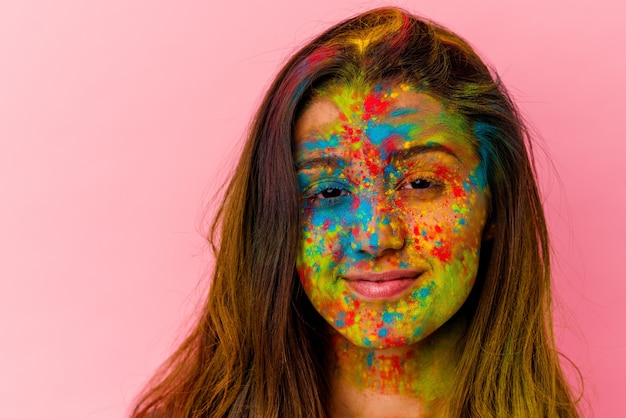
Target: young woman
<point>381,250</point>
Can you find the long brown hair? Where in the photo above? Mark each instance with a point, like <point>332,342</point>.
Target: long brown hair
<point>257,349</point>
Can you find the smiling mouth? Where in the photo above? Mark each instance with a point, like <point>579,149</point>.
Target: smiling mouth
<point>377,286</point>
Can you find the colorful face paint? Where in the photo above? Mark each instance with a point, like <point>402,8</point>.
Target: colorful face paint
<point>392,213</point>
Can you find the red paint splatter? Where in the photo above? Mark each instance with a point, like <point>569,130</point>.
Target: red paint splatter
<point>326,225</point>
<point>394,369</point>
<point>373,168</point>
<point>389,144</point>
<point>374,106</point>
<point>349,318</point>
<point>442,171</point>
<point>351,134</point>
<point>442,253</point>
<point>458,191</point>
<point>438,228</point>
<point>398,203</point>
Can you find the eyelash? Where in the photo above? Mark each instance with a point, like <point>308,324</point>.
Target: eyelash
<point>315,199</point>
<point>431,182</point>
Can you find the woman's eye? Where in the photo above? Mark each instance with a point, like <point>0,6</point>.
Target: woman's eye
<point>419,184</point>
<point>327,197</point>
<point>330,193</point>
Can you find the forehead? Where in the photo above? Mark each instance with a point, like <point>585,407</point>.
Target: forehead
<point>350,103</point>
<point>399,116</point>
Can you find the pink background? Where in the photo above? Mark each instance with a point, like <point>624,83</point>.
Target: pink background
<point>119,118</point>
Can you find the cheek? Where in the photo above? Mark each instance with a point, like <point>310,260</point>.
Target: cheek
<point>447,231</point>
<point>319,249</point>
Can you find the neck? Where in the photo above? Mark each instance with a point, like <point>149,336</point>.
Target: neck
<point>409,381</point>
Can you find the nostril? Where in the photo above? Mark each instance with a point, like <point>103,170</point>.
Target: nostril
<point>378,238</point>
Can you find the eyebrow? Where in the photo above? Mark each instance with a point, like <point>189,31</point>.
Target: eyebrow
<point>333,162</point>
<point>406,154</point>
<point>398,155</point>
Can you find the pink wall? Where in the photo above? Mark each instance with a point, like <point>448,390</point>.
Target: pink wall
<point>118,118</point>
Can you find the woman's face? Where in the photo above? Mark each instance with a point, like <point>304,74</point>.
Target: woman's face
<point>393,205</point>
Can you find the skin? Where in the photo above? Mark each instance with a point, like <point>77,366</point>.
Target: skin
<point>369,206</point>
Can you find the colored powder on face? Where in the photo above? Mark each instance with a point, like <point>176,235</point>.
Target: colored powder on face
<point>388,317</point>
<point>417,332</point>
<point>374,106</point>
<point>402,112</point>
<point>316,145</point>
<point>442,253</point>
<point>372,167</point>
<point>442,172</point>
<point>351,134</point>
<point>340,321</point>
<point>381,132</point>
<point>350,318</point>
<point>462,210</point>
<point>424,292</point>
<point>339,234</point>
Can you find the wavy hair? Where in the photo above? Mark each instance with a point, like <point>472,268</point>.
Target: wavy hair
<point>258,347</point>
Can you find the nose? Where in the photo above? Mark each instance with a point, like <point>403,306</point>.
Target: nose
<point>377,228</point>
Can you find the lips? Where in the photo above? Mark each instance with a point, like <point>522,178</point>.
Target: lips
<point>384,285</point>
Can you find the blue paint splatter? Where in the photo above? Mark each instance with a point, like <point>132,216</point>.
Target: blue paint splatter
<point>424,292</point>
<point>378,133</point>
<point>388,317</point>
<point>340,321</point>
<point>417,332</point>
<point>401,112</point>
